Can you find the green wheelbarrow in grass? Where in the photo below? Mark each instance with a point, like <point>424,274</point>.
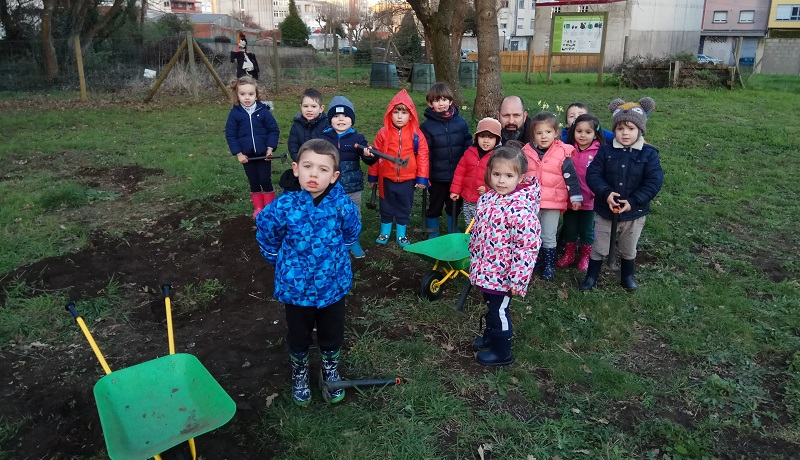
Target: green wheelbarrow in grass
<point>155,409</point>
<point>450,257</point>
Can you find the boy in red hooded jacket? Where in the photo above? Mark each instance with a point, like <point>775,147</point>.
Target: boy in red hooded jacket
<point>399,137</point>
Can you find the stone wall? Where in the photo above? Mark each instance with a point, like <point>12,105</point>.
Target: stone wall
<point>780,56</point>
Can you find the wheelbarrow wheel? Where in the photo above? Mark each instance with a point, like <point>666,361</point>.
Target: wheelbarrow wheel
<point>179,452</point>
<point>430,289</point>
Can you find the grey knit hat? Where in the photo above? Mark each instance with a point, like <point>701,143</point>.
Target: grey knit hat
<point>634,112</point>
<point>341,105</point>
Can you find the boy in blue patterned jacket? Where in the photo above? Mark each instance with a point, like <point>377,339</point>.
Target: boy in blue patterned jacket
<point>306,236</point>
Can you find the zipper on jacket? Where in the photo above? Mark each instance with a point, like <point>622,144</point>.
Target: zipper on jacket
<point>399,151</point>
<point>252,134</point>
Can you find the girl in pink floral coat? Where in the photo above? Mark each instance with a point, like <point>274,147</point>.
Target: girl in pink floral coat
<point>504,244</point>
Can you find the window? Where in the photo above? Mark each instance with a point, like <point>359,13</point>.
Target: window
<point>583,8</point>
<point>533,4</point>
<point>503,25</point>
<point>554,10</point>
<point>521,4</point>
<point>746,17</point>
<point>532,24</point>
<point>505,4</point>
<point>788,13</point>
<point>720,17</point>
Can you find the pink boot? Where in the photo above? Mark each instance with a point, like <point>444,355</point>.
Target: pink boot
<point>583,262</point>
<point>569,256</point>
<point>258,203</point>
<point>268,197</point>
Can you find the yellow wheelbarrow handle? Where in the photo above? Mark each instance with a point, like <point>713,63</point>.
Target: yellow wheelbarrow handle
<point>71,308</point>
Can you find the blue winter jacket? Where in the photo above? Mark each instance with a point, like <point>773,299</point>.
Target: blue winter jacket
<point>304,130</point>
<point>350,175</point>
<point>251,134</point>
<point>308,245</point>
<point>447,138</point>
<point>633,172</point>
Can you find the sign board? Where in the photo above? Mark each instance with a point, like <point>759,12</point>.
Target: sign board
<point>578,33</point>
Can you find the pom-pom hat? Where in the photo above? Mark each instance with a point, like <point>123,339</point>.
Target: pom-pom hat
<point>634,112</point>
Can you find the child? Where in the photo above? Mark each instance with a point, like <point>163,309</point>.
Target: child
<point>468,180</point>
<point>586,136</point>
<point>252,131</point>
<point>549,160</point>
<point>342,135</point>
<point>401,137</point>
<point>308,122</point>
<point>574,111</point>
<point>305,235</point>
<point>503,247</point>
<point>246,63</point>
<point>447,134</point>
<point>627,175</point>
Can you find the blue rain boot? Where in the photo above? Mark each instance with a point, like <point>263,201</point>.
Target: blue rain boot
<point>549,261</point>
<point>357,251</point>
<point>301,393</point>
<point>330,373</point>
<point>401,236</point>
<point>452,224</point>
<point>386,230</point>
<point>499,353</point>
<point>433,227</point>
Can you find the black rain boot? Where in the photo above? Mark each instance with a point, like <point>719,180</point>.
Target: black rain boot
<point>330,372</point>
<point>301,393</point>
<point>499,353</point>
<point>626,269</point>
<point>549,261</point>
<point>484,341</point>
<point>592,272</point>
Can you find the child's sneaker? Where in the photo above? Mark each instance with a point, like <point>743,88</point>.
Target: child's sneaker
<point>301,393</point>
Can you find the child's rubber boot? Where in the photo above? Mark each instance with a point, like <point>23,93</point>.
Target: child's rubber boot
<point>627,267</point>
<point>401,236</point>
<point>386,230</point>
<point>258,203</point>
<point>357,251</point>
<point>268,197</point>
<point>499,353</point>
<point>433,227</point>
<point>330,373</point>
<point>482,342</point>
<point>452,224</point>
<point>592,272</point>
<point>568,257</point>
<point>549,261</point>
<point>301,393</point>
<point>583,261</point>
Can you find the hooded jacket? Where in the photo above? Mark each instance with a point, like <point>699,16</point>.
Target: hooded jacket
<point>447,139</point>
<point>634,172</point>
<point>400,142</point>
<point>251,134</point>
<point>505,239</point>
<point>351,176</point>
<point>308,245</point>
<point>303,130</point>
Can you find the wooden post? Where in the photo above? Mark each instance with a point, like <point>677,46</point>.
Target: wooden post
<point>276,64</point>
<point>602,50</point>
<point>676,73</point>
<point>336,59</point>
<point>210,69</point>
<point>166,71</point>
<point>528,62</point>
<point>192,69</point>
<point>79,62</point>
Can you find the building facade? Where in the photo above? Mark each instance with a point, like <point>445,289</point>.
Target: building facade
<point>728,25</point>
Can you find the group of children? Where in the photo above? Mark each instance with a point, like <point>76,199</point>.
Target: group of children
<point>514,193</point>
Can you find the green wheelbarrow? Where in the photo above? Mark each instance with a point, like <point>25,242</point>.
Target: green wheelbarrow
<point>450,257</point>
<point>155,409</point>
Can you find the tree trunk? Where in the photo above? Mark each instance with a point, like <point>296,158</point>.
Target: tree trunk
<point>48,50</point>
<point>490,84</point>
<point>457,30</point>
<point>437,26</point>
<point>101,27</point>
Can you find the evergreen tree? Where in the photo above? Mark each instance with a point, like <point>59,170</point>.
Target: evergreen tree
<point>293,29</point>
<point>407,39</point>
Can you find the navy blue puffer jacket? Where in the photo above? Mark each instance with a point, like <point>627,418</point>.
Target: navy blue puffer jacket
<point>350,175</point>
<point>304,130</point>
<point>251,134</point>
<point>447,138</point>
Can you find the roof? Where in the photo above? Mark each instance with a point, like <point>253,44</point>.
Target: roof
<point>203,18</point>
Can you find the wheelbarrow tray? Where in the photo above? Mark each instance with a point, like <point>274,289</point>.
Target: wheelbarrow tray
<point>148,408</point>
<point>452,248</point>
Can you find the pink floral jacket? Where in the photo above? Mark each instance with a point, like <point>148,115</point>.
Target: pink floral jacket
<point>505,240</point>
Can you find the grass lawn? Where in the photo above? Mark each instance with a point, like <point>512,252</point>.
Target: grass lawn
<point>702,362</point>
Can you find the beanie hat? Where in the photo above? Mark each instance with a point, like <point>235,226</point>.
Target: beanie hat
<point>341,105</point>
<point>489,125</point>
<point>634,112</point>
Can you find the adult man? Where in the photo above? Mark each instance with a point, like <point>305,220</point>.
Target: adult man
<point>514,120</point>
